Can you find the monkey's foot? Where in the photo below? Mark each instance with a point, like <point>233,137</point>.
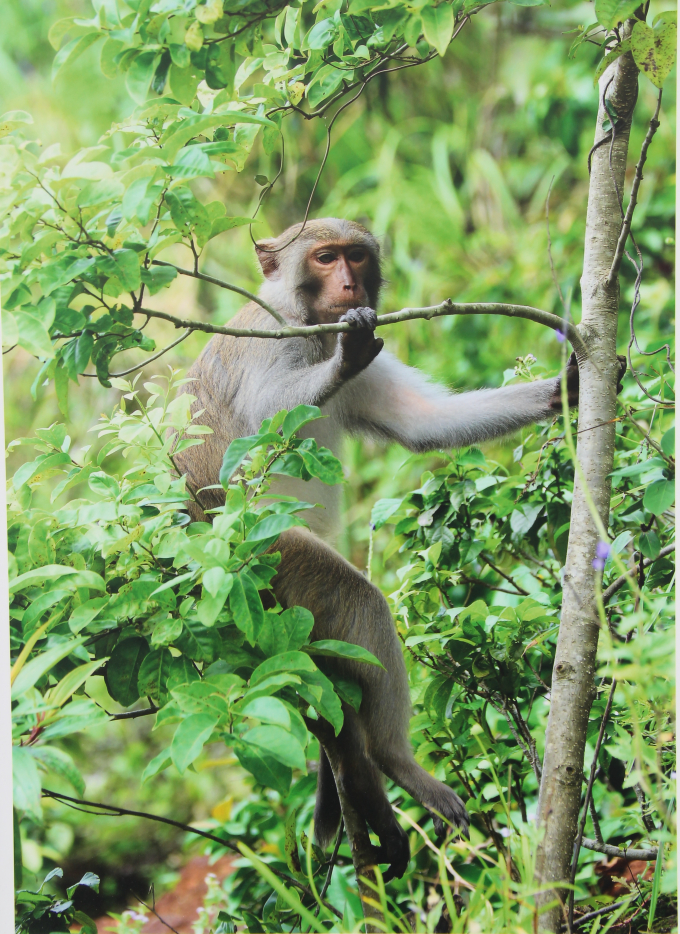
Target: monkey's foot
<point>447,812</point>
<point>395,851</point>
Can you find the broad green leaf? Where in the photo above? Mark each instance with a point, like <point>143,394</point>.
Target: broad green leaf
<point>26,780</point>
<point>333,648</point>
<point>167,632</point>
<point>668,443</point>
<point>180,672</point>
<point>382,511</point>
<point>153,675</point>
<point>659,496</point>
<point>33,335</point>
<point>269,710</point>
<point>124,265</point>
<point>654,50</point>
<point>265,769</point>
<point>35,611</point>
<point>322,34</point>
<point>286,661</point>
<point>348,691</point>
<point>139,75</point>
<point>278,743</point>
<point>297,417</point>
<point>123,669</point>
<point>73,50</point>
<point>70,683</point>
<point>234,457</point>
<point>157,764</point>
<point>56,760</point>
<point>189,739</point>
<point>649,544</point>
<point>285,632</point>
<point>438,25</point>
<point>612,12</point>
<point>41,664</point>
<point>199,643</point>
<point>324,84</point>
<point>328,704</point>
<point>246,606</point>
<point>273,526</point>
<point>10,329</point>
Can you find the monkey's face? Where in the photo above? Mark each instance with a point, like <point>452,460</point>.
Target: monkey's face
<point>336,277</point>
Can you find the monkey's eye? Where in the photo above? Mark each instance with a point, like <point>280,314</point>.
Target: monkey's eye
<point>326,258</point>
<point>357,256</point>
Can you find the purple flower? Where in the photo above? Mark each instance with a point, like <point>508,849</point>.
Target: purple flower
<point>560,335</point>
<point>602,552</point>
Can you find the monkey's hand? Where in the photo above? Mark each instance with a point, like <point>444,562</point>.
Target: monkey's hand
<point>358,347</point>
<point>573,383</point>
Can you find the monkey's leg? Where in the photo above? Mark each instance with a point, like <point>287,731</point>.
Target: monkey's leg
<point>358,780</point>
<point>347,607</point>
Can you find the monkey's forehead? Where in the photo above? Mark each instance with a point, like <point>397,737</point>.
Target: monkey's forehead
<point>332,229</point>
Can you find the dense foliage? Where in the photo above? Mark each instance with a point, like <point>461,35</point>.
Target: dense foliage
<point>471,557</point>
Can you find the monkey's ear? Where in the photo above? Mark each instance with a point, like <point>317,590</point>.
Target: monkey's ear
<point>269,261</point>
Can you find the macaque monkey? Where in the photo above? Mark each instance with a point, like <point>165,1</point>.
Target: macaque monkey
<point>326,272</point>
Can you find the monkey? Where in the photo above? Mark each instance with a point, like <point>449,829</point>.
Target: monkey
<point>326,271</point>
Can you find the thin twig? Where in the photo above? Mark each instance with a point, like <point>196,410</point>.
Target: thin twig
<point>154,912</point>
<point>146,362</point>
<point>115,811</point>
<point>595,914</point>
<point>626,578</point>
<point>520,590</point>
<point>628,219</point>
<point>224,285</point>
<point>133,714</point>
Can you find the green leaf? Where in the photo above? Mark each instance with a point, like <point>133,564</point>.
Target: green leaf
<point>123,670</point>
<point>329,703</point>
<point>383,509</point>
<point>56,760</point>
<point>220,224</point>
<point>124,265</point>
<point>654,50</point>
<point>285,632</point>
<point>73,50</point>
<point>297,417</point>
<point>189,739</point>
<point>246,606</point>
<point>273,526</point>
<point>158,277</point>
<point>70,683</point>
<point>234,457</point>
<point>659,496</point>
<point>323,34</point>
<point>266,770</point>
<point>610,13</point>
<point>438,25</point>
<point>286,661</point>
<point>333,648</point>
<point>180,672</point>
<point>33,335</point>
<point>649,544</point>
<point>39,666</point>
<point>90,880</point>
<point>153,675</point>
<point>199,643</point>
<point>26,780</point>
<point>325,83</point>
<point>139,75</point>
<point>279,744</point>
<point>157,764</point>
<point>668,443</point>
<point>40,575</point>
<point>269,710</point>
<point>10,329</point>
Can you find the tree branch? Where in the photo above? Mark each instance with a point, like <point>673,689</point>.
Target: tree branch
<point>625,578</point>
<point>648,855</point>
<point>628,219</point>
<point>444,309</point>
<point>223,285</point>
<point>114,810</point>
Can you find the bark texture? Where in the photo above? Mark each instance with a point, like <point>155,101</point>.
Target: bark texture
<point>573,687</point>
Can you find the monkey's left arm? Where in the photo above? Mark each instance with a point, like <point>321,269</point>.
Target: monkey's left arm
<point>392,401</point>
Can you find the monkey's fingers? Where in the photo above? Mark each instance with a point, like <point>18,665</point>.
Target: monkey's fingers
<point>623,366</point>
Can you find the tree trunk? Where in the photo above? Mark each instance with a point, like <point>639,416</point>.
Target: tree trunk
<point>573,688</point>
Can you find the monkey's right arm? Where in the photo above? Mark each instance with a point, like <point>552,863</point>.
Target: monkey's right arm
<point>392,401</point>
<point>288,378</point>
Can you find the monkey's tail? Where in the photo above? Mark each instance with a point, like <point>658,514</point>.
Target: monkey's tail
<point>327,812</point>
